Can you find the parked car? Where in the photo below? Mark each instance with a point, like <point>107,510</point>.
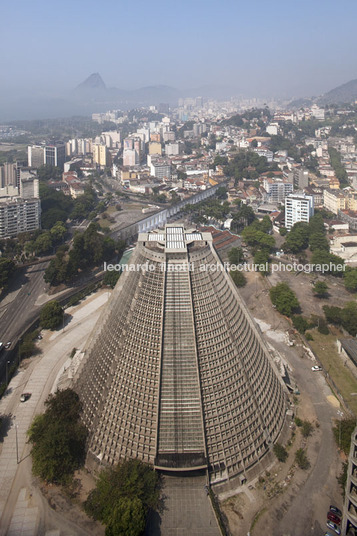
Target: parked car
<point>334,527</point>
<point>315,368</point>
<point>333,517</point>
<point>7,345</point>
<point>335,510</point>
<point>25,396</point>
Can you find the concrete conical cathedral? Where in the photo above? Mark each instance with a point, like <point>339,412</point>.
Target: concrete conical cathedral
<point>176,372</point>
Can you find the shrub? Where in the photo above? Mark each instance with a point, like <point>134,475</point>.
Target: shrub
<point>280,452</point>
<point>301,459</point>
<point>300,323</point>
<point>51,315</point>
<point>306,428</point>
<point>284,299</point>
<point>238,278</point>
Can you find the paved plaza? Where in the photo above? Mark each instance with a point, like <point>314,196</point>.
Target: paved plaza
<point>187,509</point>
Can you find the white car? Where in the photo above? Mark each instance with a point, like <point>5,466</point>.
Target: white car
<point>316,368</point>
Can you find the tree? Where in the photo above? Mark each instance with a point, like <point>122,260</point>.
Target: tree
<point>322,257</point>
<point>235,256</point>
<point>297,239</point>
<point>58,231</point>
<point>255,236</point>
<point>57,271</point>
<point>238,278</point>
<point>51,315</point>
<point>333,314</point>
<point>318,240</point>
<point>261,260</point>
<point>284,299</point>
<point>58,438</point>
<point>127,519</point>
<point>301,459</point>
<point>350,279</point>
<point>336,163</point>
<point>280,452</point>
<point>130,480</point>
<point>300,323</point>
<point>7,267</point>
<point>343,432</point>
<point>43,243</point>
<point>111,278</point>
<point>320,289</point>
<point>349,318</point>
<point>245,216</point>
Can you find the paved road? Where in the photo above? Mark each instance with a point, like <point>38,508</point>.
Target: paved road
<point>15,314</point>
<point>38,379</point>
<point>305,511</point>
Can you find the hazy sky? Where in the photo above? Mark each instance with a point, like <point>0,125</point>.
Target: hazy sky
<point>290,47</point>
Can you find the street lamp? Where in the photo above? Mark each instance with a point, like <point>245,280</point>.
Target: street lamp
<point>17,444</point>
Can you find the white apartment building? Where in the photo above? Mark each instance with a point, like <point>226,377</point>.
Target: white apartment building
<point>277,189</point>
<point>18,216</point>
<point>160,168</point>
<point>131,158</point>
<point>35,156</point>
<point>298,207</point>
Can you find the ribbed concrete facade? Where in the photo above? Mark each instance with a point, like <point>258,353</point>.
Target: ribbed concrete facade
<point>176,372</point>
<point>349,521</point>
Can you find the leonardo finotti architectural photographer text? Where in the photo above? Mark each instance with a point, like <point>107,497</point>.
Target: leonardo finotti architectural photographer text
<point>226,267</point>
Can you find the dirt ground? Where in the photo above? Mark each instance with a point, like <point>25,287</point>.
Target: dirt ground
<point>261,507</point>
<point>68,501</point>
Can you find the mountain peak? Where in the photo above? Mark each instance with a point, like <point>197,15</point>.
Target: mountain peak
<point>94,81</point>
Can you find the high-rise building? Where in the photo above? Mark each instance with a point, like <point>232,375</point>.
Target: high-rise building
<point>349,518</point>
<point>301,178</point>
<point>176,372</point>
<point>29,184</point>
<point>55,155</point>
<point>155,147</point>
<point>19,215</point>
<point>35,156</point>
<point>10,174</point>
<point>277,189</point>
<point>99,154</point>
<point>130,158</point>
<point>298,207</point>
<point>160,167</point>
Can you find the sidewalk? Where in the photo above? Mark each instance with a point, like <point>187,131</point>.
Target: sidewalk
<point>37,379</point>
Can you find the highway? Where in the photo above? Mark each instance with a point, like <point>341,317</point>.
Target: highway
<point>19,307</point>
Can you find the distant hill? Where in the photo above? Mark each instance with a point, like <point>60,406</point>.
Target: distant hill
<point>346,93</point>
<point>94,81</point>
<point>301,103</point>
<point>94,89</point>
